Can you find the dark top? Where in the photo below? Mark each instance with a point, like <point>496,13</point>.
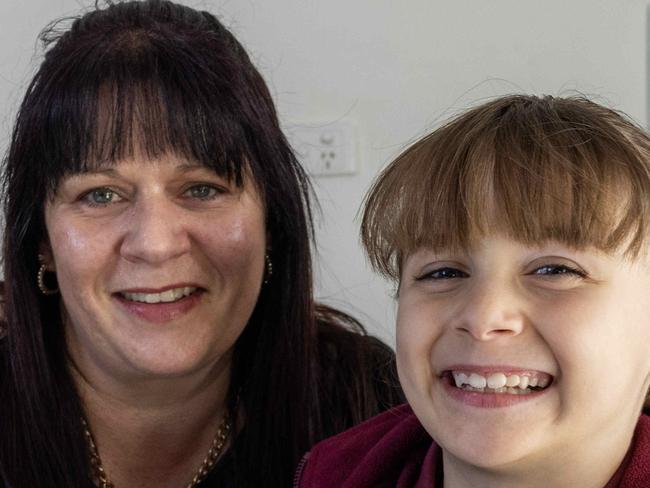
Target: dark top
<point>346,355</point>
<point>334,400</point>
<point>393,450</point>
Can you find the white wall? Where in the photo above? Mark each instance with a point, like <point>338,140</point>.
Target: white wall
<point>394,69</point>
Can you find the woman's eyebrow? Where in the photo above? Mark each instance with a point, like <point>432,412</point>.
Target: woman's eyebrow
<point>111,171</point>
<point>108,171</point>
<point>188,167</point>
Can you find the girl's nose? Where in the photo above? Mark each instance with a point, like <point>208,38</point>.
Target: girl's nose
<point>492,312</point>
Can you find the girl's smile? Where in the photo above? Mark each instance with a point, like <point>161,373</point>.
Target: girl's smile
<point>494,386</point>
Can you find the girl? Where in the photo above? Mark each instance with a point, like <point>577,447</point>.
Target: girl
<point>518,236</point>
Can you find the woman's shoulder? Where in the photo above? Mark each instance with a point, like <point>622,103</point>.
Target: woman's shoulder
<point>4,354</point>
<point>378,452</point>
<point>3,321</point>
<point>343,338</point>
<point>3,327</point>
<point>355,369</point>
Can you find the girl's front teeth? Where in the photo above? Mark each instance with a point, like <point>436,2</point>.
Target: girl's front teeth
<point>513,384</point>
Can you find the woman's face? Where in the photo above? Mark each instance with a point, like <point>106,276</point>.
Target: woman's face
<point>475,327</point>
<point>159,264</point>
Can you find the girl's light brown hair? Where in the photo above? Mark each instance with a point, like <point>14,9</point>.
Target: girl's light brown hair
<point>533,168</point>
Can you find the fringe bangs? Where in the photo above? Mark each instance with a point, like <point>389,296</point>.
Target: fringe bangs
<point>129,96</point>
<point>534,169</point>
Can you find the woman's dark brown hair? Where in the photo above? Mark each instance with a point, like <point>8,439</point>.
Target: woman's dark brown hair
<point>158,77</point>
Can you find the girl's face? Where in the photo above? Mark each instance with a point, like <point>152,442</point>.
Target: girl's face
<point>159,264</point>
<point>512,355</point>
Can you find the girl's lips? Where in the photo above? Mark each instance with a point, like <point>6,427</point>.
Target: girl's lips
<point>161,312</point>
<point>486,397</point>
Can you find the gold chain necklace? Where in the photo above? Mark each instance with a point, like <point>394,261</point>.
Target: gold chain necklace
<point>100,477</point>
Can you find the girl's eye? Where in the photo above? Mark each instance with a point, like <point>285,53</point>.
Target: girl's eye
<point>443,274</point>
<point>553,270</point>
<point>203,192</point>
<point>101,197</point>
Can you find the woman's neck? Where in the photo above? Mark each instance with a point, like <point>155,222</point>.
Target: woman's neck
<point>153,431</point>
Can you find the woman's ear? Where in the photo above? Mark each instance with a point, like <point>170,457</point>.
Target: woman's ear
<point>45,256</point>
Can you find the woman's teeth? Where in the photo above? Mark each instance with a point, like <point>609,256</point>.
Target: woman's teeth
<point>164,297</point>
<point>500,383</point>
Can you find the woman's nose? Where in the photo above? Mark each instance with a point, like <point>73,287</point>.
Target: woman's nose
<point>492,312</point>
<point>156,231</point>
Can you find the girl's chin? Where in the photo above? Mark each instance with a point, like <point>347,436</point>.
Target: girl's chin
<point>494,441</point>
<point>482,456</point>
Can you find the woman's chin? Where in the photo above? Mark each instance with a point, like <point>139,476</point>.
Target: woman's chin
<point>178,366</point>
<point>159,370</point>
<point>158,360</point>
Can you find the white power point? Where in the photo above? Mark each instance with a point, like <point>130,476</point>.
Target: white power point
<point>325,150</point>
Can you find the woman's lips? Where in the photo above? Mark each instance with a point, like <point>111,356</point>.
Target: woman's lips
<point>160,307</point>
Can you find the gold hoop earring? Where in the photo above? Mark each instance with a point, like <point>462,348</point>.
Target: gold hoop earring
<point>269,269</point>
<point>40,279</point>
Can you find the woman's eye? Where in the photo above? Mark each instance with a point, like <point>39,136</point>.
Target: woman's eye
<point>203,192</point>
<point>553,270</point>
<point>101,197</point>
<point>443,274</point>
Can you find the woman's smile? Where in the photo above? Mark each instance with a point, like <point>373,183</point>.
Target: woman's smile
<point>163,305</point>
<point>168,295</point>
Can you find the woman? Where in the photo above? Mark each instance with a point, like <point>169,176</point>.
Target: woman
<point>523,339</point>
<point>161,329</point>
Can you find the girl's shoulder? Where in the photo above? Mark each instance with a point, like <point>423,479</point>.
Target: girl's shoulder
<point>389,447</point>
<point>393,449</point>
<point>396,423</point>
<point>634,471</point>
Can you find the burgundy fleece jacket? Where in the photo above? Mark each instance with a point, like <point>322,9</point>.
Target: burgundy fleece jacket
<point>393,450</point>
